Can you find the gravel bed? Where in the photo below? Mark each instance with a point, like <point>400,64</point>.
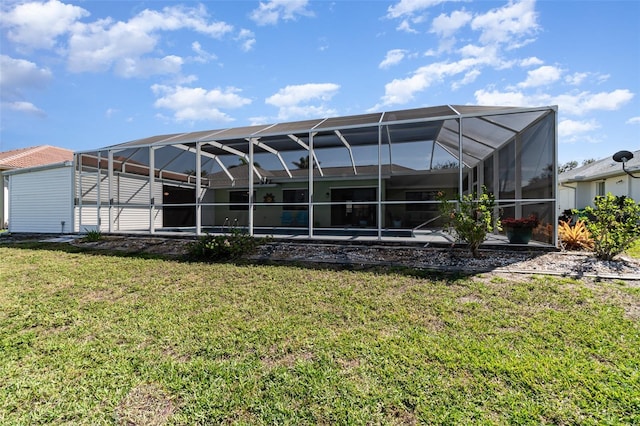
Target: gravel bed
<point>575,264</point>
<point>564,263</point>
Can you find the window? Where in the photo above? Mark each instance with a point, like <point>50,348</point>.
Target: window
<point>241,198</point>
<point>600,189</point>
<point>295,196</point>
<point>412,196</point>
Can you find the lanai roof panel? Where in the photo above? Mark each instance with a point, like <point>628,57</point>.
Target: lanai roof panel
<point>418,113</point>
<point>517,121</point>
<point>294,127</point>
<point>350,121</point>
<point>234,133</point>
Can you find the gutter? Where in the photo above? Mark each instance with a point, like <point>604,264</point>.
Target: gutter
<point>37,168</point>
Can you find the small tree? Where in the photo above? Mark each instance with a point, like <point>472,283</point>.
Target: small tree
<point>470,217</point>
<point>303,163</point>
<point>614,225</point>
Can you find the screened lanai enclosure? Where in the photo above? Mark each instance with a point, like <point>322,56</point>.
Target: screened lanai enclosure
<point>373,175</point>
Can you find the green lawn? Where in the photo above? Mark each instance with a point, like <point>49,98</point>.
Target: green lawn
<point>634,251</point>
<point>97,339</point>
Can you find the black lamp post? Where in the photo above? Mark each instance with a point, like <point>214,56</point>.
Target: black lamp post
<point>623,157</point>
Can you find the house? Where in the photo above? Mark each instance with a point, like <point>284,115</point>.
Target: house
<point>26,158</point>
<point>579,187</point>
<point>377,175</point>
<point>41,198</point>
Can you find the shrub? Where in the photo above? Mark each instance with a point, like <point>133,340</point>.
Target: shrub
<point>615,225</point>
<point>222,247</point>
<point>471,218</point>
<point>93,235</point>
<point>576,237</point>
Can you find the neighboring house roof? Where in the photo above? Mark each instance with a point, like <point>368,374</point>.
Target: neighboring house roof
<point>34,156</point>
<point>601,169</point>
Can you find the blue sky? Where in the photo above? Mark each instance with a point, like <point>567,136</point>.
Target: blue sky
<point>87,74</point>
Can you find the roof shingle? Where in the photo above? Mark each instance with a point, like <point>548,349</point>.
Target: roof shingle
<point>34,156</point>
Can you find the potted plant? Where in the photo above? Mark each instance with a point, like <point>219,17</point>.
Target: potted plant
<point>519,231</point>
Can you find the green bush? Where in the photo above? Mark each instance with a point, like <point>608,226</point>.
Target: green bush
<point>614,225</point>
<point>222,247</point>
<point>93,235</point>
<point>471,217</point>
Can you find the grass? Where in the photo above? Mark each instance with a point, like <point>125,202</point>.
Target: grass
<point>634,250</point>
<point>97,339</point>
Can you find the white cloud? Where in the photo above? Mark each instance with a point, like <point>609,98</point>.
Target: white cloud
<point>569,128</point>
<point>447,25</point>
<point>126,46</point>
<point>271,12</point>
<point>575,104</point>
<point>410,7</point>
<point>198,104</point>
<point>202,55</point>
<point>292,99</point>
<point>38,25</point>
<point>468,78</point>
<point>509,25</point>
<point>247,39</point>
<point>541,76</point>
<point>585,102</point>
<point>406,27</point>
<point>485,52</point>
<point>254,121</point>
<point>143,67</point>
<point>633,120</point>
<point>20,74</point>
<point>530,62</point>
<point>401,91</point>
<point>25,107</point>
<point>393,57</point>
<point>578,78</point>
<point>497,98</point>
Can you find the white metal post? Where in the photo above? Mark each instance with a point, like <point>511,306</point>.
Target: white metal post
<point>251,201</point>
<point>99,193</point>
<point>152,201</point>
<point>198,189</point>
<point>110,188</point>
<point>379,204</point>
<point>310,206</point>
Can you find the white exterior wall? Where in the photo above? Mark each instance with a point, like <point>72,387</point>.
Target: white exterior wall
<point>40,200</point>
<point>4,202</point>
<point>634,189</point>
<point>586,191</point>
<point>566,198</point>
<point>618,185</point>
<point>130,210</point>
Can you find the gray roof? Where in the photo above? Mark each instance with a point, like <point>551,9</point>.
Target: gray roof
<point>600,169</point>
<point>485,129</point>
